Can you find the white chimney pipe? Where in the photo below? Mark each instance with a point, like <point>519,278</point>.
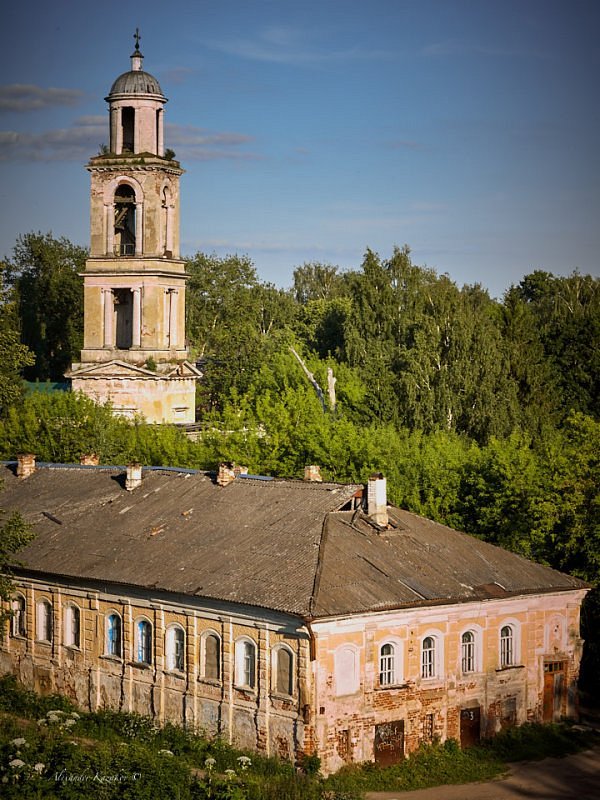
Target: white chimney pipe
<point>133,478</point>
<point>377,499</point>
<point>25,465</point>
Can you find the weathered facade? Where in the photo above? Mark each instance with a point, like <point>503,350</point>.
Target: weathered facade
<point>134,351</point>
<point>288,616</point>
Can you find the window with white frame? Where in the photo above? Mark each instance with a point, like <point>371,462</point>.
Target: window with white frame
<point>44,621</point>
<point>347,679</point>
<point>18,623</point>
<point>210,656</point>
<point>429,657</point>
<point>72,632</point>
<point>387,664</point>
<point>175,648</point>
<point>143,642</point>
<point>467,652</point>
<point>245,664</point>
<point>507,646</point>
<point>283,670</point>
<point>114,639</point>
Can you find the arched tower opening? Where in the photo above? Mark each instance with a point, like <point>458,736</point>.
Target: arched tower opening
<point>124,233</point>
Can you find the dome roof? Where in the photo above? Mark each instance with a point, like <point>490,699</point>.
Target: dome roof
<point>137,82</point>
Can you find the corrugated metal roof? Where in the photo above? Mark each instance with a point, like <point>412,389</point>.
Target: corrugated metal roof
<point>281,545</point>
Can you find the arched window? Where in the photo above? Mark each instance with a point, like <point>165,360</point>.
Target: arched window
<point>143,642</point>
<point>128,128</point>
<point>428,658</point>
<point>387,666</point>
<point>175,648</point>
<point>467,652</point>
<point>210,656</point>
<point>507,646</point>
<point>124,235</point>
<point>44,621</point>
<point>72,632</point>
<point>18,624</point>
<point>283,670</point>
<point>346,670</point>
<point>114,646</point>
<point>245,663</point>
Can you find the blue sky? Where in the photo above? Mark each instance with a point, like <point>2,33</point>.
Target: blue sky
<point>467,129</point>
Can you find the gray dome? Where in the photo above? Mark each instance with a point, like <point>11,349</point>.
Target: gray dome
<point>136,82</point>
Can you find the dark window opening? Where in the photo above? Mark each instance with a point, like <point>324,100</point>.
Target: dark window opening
<point>124,318</point>
<point>125,221</point>
<point>128,123</point>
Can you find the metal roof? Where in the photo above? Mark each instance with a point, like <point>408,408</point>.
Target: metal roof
<point>281,545</point>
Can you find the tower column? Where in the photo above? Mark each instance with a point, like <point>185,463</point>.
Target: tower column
<point>136,333</point>
<point>109,228</point>
<point>107,296</point>
<point>114,127</point>
<point>173,293</point>
<point>139,228</point>
<point>160,134</point>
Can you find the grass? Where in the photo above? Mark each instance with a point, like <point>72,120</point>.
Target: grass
<point>106,754</point>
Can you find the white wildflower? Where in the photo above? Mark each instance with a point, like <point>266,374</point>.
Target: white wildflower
<point>56,711</point>
<point>18,742</point>
<point>244,762</point>
<point>16,763</point>
<point>42,722</point>
<point>39,767</point>
<point>210,763</point>
<point>230,774</point>
<point>74,715</point>
<point>70,722</point>
<point>165,753</point>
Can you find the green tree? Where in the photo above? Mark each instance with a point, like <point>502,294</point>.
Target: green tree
<point>15,533</point>
<point>44,276</point>
<point>13,359</point>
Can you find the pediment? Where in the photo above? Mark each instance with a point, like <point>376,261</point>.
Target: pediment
<point>110,369</point>
<point>185,370</point>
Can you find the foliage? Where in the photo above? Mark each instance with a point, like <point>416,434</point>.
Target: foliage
<point>43,276</point>
<point>61,753</point>
<point>15,357</point>
<point>15,533</point>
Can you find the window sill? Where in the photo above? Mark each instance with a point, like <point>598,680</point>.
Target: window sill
<point>383,687</point>
<point>246,689</point>
<point>139,665</point>
<point>175,673</point>
<point>281,696</point>
<point>74,648</point>
<point>44,641</point>
<point>509,667</point>
<point>19,637</point>
<point>114,659</point>
<point>210,681</point>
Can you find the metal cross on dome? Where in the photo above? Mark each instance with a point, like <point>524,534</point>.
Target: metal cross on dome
<point>137,37</point>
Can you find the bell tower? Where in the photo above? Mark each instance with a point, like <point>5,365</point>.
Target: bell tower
<point>134,351</point>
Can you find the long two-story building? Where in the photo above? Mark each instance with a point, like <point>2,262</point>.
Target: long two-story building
<point>291,617</point>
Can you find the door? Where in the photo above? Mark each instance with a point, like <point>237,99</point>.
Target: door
<point>470,726</point>
<point>554,683</point>
<point>389,743</point>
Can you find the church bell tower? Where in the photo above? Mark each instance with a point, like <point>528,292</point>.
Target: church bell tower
<point>134,351</point>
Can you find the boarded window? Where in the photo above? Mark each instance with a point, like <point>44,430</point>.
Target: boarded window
<point>18,625</point>
<point>346,671</point>
<point>389,743</point>
<point>284,676</point>
<point>44,621</point>
<point>212,657</point>
<point>72,626</point>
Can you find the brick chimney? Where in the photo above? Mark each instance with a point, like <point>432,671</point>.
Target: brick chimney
<point>228,472</point>
<point>133,478</point>
<point>312,474</point>
<point>89,460</point>
<point>377,499</point>
<point>25,465</point>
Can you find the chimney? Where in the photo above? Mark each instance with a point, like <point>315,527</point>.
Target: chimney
<point>25,465</point>
<point>133,479</point>
<point>225,474</point>
<point>89,460</point>
<point>237,470</point>
<point>312,474</point>
<point>377,499</point>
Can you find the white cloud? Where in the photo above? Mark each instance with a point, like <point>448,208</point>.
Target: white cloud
<point>27,97</point>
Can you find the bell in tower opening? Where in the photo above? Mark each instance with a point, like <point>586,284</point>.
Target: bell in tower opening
<point>134,354</point>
